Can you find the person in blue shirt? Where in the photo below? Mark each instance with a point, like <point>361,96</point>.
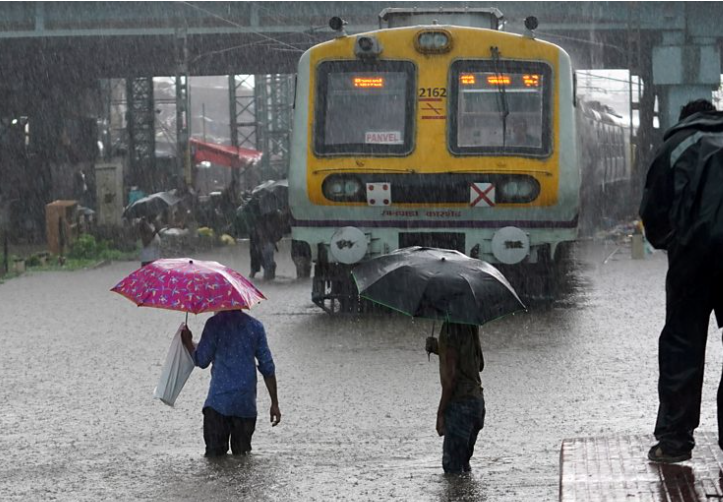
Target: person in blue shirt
<point>233,341</point>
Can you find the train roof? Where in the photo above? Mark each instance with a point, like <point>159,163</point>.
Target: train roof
<point>476,17</point>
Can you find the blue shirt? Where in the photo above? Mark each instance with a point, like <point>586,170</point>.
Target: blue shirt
<point>231,341</point>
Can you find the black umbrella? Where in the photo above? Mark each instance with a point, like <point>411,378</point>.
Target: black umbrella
<point>272,196</point>
<point>437,284</point>
<point>151,205</point>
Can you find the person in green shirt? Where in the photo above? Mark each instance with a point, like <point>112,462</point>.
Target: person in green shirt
<point>461,411</point>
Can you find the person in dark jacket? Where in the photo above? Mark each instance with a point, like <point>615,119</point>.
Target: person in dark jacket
<point>679,207</point>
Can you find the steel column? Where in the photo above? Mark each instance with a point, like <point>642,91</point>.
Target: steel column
<point>183,175</point>
<point>274,115</point>
<point>141,131</point>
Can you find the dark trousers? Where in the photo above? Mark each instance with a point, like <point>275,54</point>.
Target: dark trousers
<point>267,260</point>
<point>262,255</point>
<point>255,254</point>
<point>463,420</point>
<point>681,356</point>
<point>218,429</point>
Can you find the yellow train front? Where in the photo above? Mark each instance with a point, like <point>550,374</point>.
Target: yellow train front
<point>433,135</point>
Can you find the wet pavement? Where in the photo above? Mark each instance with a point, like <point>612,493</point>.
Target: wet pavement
<point>358,396</point>
<point>609,469</point>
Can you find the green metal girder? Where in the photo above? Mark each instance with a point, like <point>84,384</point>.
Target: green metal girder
<point>62,19</point>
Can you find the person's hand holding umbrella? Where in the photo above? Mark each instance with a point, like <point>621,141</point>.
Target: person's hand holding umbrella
<point>187,339</point>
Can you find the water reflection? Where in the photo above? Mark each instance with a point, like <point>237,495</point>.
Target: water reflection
<point>678,484</point>
<point>243,477</point>
<point>467,487</point>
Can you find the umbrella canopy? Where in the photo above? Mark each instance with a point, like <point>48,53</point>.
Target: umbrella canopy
<point>272,196</point>
<point>151,205</point>
<point>437,284</point>
<point>189,285</point>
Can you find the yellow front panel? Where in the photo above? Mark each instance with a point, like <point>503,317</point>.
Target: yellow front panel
<point>430,152</point>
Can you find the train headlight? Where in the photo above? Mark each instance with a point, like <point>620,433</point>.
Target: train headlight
<point>352,187</point>
<point>336,189</point>
<point>522,189</point>
<point>343,188</point>
<point>433,42</point>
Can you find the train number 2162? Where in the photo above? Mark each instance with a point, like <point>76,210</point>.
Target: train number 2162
<point>432,92</point>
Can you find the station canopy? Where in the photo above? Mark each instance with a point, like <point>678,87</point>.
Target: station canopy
<point>224,155</point>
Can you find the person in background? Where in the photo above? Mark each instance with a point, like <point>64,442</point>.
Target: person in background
<point>233,342</point>
<point>150,240</point>
<point>81,188</point>
<point>680,188</point>
<point>520,135</point>
<point>461,411</point>
<point>265,232</point>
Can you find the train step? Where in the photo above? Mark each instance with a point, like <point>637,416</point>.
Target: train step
<point>615,469</point>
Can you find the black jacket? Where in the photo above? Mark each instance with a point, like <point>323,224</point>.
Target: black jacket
<point>682,204</point>
<point>682,207</point>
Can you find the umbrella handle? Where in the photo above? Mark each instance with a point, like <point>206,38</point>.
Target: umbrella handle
<point>429,354</point>
<point>186,319</point>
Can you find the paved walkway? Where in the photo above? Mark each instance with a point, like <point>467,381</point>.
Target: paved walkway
<point>615,469</point>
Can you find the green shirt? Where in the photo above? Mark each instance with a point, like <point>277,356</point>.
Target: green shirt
<point>464,339</point>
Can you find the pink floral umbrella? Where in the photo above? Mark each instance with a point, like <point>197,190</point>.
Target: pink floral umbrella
<point>189,286</point>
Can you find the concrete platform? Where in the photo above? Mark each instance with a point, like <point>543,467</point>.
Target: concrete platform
<point>615,469</point>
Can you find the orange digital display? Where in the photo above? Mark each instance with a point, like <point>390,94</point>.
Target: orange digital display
<point>531,80</point>
<point>467,79</point>
<point>499,80</point>
<point>368,81</point>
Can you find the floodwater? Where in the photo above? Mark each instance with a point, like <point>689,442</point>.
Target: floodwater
<point>358,396</point>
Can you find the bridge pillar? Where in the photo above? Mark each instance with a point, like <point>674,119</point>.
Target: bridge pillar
<point>684,70</point>
<point>184,173</point>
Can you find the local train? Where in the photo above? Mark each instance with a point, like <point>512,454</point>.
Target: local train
<point>439,130</point>
<point>605,159</point>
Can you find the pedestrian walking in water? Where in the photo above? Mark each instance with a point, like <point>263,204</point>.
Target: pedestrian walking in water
<point>233,342</point>
<point>461,412</point>
<point>681,212</point>
<point>264,232</point>
<point>269,230</point>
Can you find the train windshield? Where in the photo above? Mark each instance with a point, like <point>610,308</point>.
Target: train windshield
<point>364,107</point>
<point>500,108</point>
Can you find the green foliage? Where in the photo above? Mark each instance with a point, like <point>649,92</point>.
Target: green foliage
<point>86,247</point>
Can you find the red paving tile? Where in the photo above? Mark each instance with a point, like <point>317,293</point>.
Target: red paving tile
<point>611,469</point>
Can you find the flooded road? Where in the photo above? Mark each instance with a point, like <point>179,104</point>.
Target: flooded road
<point>358,396</point>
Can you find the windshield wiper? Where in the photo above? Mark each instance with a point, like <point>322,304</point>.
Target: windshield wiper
<point>365,169</point>
<point>502,93</point>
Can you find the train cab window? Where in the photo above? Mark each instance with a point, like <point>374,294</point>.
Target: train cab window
<point>500,108</point>
<point>364,108</point>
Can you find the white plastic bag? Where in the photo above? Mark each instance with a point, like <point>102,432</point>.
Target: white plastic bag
<point>176,370</point>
